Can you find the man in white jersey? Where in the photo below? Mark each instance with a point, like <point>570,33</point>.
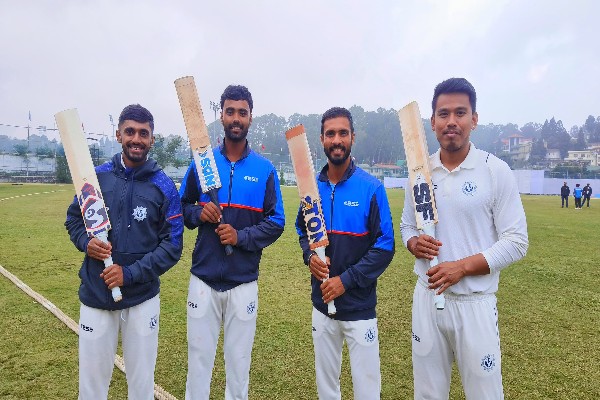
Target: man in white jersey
<point>481,230</point>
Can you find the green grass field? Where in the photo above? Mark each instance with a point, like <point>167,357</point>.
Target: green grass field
<point>549,309</point>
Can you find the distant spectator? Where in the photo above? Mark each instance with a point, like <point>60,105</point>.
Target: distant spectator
<point>587,194</point>
<point>577,193</point>
<point>564,195</point>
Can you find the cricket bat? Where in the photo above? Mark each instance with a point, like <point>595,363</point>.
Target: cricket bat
<point>310,201</point>
<point>419,176</point>
<point>208,174</point>
<point>89,196</point>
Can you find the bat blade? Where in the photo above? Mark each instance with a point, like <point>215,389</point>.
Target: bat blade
<point>89,195</point>
<point>310,200</point>
<point>202,151</point>
<point>419,175</point>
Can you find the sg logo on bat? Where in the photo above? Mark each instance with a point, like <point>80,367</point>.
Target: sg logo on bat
<point>423,199</point>
<point>93,210</point>
<point>315,223</point>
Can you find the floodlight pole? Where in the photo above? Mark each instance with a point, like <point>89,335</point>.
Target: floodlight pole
<point>215,107</point>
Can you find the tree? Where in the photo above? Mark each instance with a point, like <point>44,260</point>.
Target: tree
<point>580,144</point>
<point>21,150</point>
<point>538,151</point>
<point>63,175</point>
<point>44,152</point>
<point>164,150</point>
<point>556,137</point>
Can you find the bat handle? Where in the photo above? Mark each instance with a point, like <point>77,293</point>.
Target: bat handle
<point>331,305</point>
<point>438,299</point>
<point>213,197</point>
<point>116,291</point>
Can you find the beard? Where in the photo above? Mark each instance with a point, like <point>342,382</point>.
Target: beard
<point>337,160</point>
<point>236,137</point>
<point>136,157</point>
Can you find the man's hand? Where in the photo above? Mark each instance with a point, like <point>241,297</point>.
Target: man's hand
<point>98,250</point>
<point>424,246</point>
<point>210,213</point>
<point>449,273</point>
<point>113,276</point>
<point>332,288</point>
<point>318,268</point>
<point>227,234</point>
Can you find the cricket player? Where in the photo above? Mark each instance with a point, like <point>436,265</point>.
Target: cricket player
<point>481,230</point>
<point>223,289</point>
<point>361,246</point>
<point>146,241</point>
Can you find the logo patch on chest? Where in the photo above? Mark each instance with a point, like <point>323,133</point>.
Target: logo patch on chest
<point>140,213</point>
<point>469,188</point>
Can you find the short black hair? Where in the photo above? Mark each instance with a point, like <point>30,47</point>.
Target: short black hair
<point>237,92</point>
<point>335,112</point>
<point>455,85</point>
<point>137,113</point>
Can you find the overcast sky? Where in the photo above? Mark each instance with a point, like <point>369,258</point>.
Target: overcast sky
<point>528,60</point>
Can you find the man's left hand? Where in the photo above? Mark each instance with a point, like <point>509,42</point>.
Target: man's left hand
<point>227,234</point>
<point>332,288</point>
<point>113,276</point>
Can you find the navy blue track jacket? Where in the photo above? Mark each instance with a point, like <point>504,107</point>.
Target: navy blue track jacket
<point>147,233</point>
<point>361,241</point>
<point>251,200</point>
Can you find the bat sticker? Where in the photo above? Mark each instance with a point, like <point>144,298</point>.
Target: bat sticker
<point>422,195</point>
<point>93,210</point>
<point>313,215</point>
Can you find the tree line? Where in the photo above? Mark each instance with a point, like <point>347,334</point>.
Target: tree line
<point>378,138</point>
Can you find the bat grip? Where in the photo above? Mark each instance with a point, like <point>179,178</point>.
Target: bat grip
<point>331,310</point>
<point>213,197</point>
<point>438,299</point>
<point>116,291</point>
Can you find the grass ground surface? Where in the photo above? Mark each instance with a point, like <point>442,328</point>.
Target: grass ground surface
<point>549,309</point>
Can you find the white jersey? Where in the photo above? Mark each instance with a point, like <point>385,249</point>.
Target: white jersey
<point>479,211</point>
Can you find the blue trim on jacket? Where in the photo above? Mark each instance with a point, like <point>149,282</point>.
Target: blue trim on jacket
<point>147,233</point>
<point>361,241</point>
<point>251,200</point>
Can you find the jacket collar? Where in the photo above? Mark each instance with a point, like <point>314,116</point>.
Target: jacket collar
<point>142,172</point>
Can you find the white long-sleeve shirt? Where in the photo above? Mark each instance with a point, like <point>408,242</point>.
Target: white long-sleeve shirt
<point>479,211</point>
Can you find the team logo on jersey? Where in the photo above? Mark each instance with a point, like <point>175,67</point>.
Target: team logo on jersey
<point>140,213</point>
<point>251,307</point>
<point>469,188</point>
<point>415,337</point>
<point>370,335</point>
<point>488,362</point>
<point>153,322</point>
<point>250,178</point>
<point>351,203</point>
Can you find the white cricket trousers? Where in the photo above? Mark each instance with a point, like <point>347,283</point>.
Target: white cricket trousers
<point>98,339</point>
<point>467,329</point>
<point>207,309</point>
<point>362,339</point>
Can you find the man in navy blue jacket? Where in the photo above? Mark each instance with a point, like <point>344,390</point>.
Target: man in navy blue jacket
<point>361,246</point>
<point>223,288</point>
<point>145,241</point>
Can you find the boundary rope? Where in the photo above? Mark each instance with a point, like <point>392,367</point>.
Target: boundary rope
<point>159,392</point>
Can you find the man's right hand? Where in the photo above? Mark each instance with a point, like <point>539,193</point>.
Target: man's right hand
<point>210,213</point>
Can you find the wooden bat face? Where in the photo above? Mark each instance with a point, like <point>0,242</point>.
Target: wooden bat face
<point>417,161</point>
<point>83,172</point>
<point>208,174</point>
<point>310,201</point>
